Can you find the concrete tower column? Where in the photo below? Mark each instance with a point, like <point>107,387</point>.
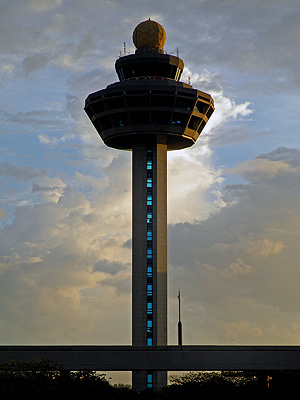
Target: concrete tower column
<point>149,255</point>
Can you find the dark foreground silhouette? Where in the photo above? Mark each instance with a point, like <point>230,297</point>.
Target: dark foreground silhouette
<point>42,379</point>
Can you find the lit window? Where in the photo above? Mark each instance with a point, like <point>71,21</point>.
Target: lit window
<point>149,343</point>
<point>149,235</point>
<point>149,307</point>
<point>149,290</point>
<point>149,182</point>
<point>149,164</point>
<point>149,272</point>
<point>149,377</point>
<point>149,200</point>
<point>149,323</point>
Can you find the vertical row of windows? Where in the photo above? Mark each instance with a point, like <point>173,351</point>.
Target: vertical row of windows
<point>149,255</point>
<point>149,379</point>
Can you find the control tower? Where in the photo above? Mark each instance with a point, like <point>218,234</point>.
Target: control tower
<point>149,112</point>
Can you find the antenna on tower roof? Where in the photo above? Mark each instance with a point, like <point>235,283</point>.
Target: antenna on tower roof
<point>124,48</point>
<point>179,321</point>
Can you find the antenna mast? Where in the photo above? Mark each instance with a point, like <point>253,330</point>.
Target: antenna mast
<point>179,321</point>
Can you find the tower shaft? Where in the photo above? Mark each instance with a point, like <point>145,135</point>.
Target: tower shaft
<point>149,238</point>
<point>149,254</point>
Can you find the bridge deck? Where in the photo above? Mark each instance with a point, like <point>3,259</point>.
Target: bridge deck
<point>166,358</point>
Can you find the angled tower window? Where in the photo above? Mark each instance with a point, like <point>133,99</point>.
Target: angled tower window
<point>105,122</point>
<point>115,103</point>
<point>119,119</point>
<point>138,101</point>
<point>98,107</point>
<point>161,118</point>
<point>201,107</point>
<point>185,103</point>
<point>194,122</point>
<point>139,117</point>
<point>179,119</point>
<point>162,101</point>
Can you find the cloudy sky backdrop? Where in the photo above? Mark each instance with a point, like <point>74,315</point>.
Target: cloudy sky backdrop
<point>233,200</point>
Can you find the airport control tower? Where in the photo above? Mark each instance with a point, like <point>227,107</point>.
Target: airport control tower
<point>149,112</point>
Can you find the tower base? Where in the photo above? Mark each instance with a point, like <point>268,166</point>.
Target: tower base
<point>143,380</point>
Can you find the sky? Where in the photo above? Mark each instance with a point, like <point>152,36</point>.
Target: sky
<point>233,198</point>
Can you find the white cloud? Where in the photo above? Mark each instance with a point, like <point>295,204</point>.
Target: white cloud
<point>50,258</point>
<point>191,186</point>
<point>51,189</point>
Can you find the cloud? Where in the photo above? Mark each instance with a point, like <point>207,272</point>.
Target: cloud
<point>266,247</point>
<point>193,180</point>
<point>2,213</point>
<point>48,119</point>
<point>237,269</point>
<point>34,62</point>
<point>192,185</point>
<point>284,154</point>
<point>56,256</point>
<point>279,168</point>
<point>51,189</point>
<point>229,116</point>
<point>240,264</point>
<point>21,173</point>
<point>108,267</point>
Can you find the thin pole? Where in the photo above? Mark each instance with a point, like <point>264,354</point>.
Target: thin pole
<point>179,321</point>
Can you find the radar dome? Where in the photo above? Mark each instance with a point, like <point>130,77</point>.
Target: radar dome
<point>149,34</point>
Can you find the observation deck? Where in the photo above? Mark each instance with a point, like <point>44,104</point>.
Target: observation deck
<point>149,108</point>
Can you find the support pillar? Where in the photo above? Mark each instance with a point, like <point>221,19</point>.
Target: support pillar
<point>149,255</point>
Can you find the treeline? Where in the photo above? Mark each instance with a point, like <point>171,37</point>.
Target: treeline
<point>44,380</point>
